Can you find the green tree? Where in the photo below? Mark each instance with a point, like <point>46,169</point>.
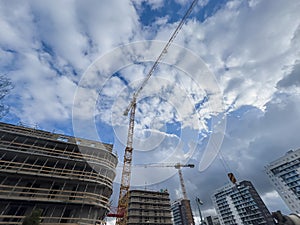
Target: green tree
<point>34,218</point>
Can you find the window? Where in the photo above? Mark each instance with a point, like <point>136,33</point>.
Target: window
<point>66,215</point>
<point>53,191</point>
<point>62,138</point>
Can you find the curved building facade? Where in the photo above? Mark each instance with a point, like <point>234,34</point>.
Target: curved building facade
<point>68,179</point>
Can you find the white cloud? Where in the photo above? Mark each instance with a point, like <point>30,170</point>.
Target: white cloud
<point>274,202</point>
<point>58,29</point>
<point>172,94</point>
<point>240,41</point>
<point>209,212</point>
<point>249,49</point>
<point>252,47</point>
<point>16,26</point>
<point>151,155</point>
<point>49,47</point>
<point>39,94</point>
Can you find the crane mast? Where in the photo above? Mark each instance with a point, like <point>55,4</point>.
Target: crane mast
<point>182,184</point>
<point>178,167</point>
<point>126,172</point>
<point>185,201</point>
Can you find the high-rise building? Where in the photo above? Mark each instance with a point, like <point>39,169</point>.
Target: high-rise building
<point>284,174</point>
<point>149,207</point>
<point>68,179</point>
<point>240,204</point>
<point>182,213</point>
<point>212,220</point>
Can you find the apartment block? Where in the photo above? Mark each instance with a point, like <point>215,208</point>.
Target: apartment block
<point>240,204</point>
<point>149,207</point>
<point>284,174</point>
<point>69,179</point>
<point>182,212</point>
<point>212,220</point>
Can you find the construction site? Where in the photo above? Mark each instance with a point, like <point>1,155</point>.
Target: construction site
<point>69,180</point>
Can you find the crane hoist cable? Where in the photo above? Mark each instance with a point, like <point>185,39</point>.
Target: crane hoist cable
<point>224,163</point>
<point>126,172</point>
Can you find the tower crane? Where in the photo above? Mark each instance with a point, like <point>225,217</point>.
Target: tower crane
<point>177,166</point>
<point>185,201</point>
<point>126,172</point>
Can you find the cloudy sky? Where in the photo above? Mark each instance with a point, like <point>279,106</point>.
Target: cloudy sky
<point>225,97</point>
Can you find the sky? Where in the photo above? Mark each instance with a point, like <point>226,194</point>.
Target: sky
<point>225,97</point>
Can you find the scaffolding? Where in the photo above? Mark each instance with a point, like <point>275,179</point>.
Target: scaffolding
<point>69,179</point>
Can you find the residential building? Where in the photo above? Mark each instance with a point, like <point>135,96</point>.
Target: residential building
<point>69,179</point>
<point>212,220</point>
<point>284,174</point>
<point>149,207</point>
<point>240,204</point>
<point>182,213</point>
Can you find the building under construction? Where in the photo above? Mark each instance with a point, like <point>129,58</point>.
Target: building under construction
<point>182,212</point>
<point>149,207</point>
<point>68,179</point>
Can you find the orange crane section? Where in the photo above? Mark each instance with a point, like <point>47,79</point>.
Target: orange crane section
<point>126,172</point>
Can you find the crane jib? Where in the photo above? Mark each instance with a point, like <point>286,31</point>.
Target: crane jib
<point>160,57</point>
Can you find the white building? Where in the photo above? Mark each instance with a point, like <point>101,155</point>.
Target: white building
<point>240,204</point>
<point>284,174</point>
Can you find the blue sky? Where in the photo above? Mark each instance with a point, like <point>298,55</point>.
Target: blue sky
<point>175,10</point>
<point>230,80</point>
